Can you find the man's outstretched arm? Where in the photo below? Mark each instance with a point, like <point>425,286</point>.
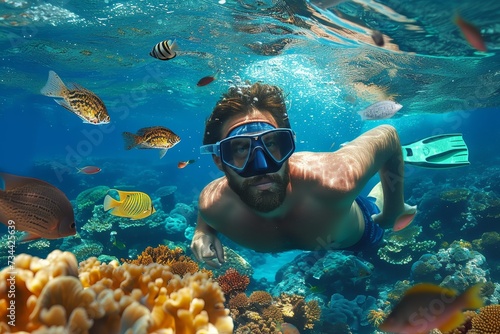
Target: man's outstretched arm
<point>377,150</point>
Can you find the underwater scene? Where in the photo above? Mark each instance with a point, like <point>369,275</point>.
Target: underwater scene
<point>112,186</point>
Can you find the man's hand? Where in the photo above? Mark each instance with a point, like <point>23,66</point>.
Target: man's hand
<point>206,247</point>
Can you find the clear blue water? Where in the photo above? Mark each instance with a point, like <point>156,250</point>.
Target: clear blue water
<point>324,59</point>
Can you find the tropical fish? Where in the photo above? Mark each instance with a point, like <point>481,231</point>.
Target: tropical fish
<point>378,38</point>
<point>36,207</point>
<point>164,50</point>
<point>89,170</point>
<point>128,204</point>
<point>118,244</point>
<point>80,101</point>
<point>427,306</point>
<point>206,80</point>
<point>152,137</point>
<point>287,328</point>
<point>380,110</point>
<point>470,32</point>
<point>183,164</point>
<point>361,270</point>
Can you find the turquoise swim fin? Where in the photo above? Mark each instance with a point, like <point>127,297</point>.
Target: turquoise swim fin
<point>441,151</point>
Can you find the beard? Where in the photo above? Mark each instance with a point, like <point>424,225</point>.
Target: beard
<point>261,200</point>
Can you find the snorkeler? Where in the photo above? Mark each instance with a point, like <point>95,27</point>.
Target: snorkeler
<point>272,199</point>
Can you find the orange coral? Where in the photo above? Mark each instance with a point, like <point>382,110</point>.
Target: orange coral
<point>55,296</point>
<point>239,300</point>
<point>487,321</point>
<point>274,313</point>
<point>260,298</point>
<point>233,282</point>
<point>297,312</point>
<point>179,263</point>
<point>376,317</point>
<point>182,268</point>
<point>161,254</point>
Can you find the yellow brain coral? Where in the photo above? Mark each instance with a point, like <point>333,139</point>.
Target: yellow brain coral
<point>54,295</point>
<point>487,321</point>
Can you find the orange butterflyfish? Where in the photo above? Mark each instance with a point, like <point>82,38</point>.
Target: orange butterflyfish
<point>206,80</point>
<point>470,32</point>
<point>183,164</point>
<point>427,306</point>
<point>89,170</point>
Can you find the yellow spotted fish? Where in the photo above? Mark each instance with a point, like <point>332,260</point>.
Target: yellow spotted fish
<point>128,204</point>
<point>153,137</point>
<point>80,101</point>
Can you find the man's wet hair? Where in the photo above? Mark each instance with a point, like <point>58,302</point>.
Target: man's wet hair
<point>244,100</point>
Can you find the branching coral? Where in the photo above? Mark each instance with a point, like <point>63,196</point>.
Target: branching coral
<point>238,301</point>
<point>260,299</point>
<point>54,295</point>
<point>179,263</point>
<point>298,312</point>
<point>376,317</point>
<point>161,254</point>
<point>233,282</point>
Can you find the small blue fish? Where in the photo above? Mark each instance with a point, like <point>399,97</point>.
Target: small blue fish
<point>380,110</point>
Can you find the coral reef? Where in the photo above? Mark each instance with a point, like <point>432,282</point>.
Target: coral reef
<point>351,312</point>
<point>232,282</point>
<point>167,197</point>
<point>402,246</point>
<point>178,262</point>
<point>260,313</point>
<point>456,267</point>
<point>487,321</point>
<point>86,200</point>
<point>376,317</point>
<point>55,295</point>
<point>323,273</point>
<point>489,245</point>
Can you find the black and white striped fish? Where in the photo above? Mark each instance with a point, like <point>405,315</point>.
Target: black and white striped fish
<point>164,50</point>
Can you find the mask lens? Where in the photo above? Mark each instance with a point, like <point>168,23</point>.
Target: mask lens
<point>235,152</point>
<point>279,144</point>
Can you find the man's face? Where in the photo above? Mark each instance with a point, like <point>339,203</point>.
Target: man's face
<point>262,193</point>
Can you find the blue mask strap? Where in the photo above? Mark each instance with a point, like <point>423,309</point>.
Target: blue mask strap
<point>250,128</point>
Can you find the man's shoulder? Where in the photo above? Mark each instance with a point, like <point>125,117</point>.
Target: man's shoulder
<point>326,171</point>
<point>212,193</point>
